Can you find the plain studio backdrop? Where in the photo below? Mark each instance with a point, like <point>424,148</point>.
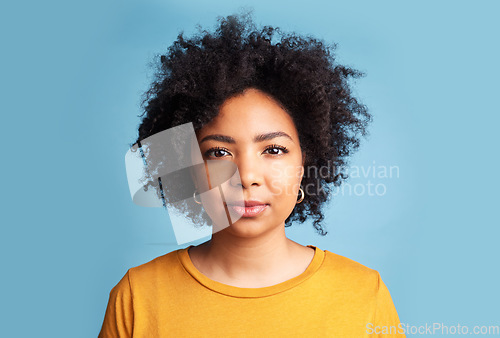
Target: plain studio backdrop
<point>72,75</point>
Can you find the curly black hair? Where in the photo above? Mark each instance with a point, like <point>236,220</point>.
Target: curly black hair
<point>198,74</point>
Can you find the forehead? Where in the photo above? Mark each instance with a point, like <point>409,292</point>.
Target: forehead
<point>248,114</point>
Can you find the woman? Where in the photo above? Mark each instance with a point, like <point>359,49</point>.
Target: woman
<point>275,110</point>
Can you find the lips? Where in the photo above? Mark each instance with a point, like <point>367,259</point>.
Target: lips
<point>249,203</point>
<point>249,208</point>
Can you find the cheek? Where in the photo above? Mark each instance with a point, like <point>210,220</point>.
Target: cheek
<point>212,203</point>
<point>283,179</point>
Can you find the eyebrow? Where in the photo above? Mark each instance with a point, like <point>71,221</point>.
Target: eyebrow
<point>257,138</point>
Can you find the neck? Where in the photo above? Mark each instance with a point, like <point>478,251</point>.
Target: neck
<point>242,259</point>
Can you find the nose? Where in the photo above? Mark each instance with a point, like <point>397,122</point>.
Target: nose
<point>250,169</point>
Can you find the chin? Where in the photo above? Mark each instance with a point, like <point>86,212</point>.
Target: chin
<point>248,228</point>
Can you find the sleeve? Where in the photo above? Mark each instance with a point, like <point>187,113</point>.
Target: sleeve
<point>386,320</point>
<point>119,317</point>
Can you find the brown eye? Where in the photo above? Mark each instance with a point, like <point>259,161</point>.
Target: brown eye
<point>216,152</point>
<point>275,150</point>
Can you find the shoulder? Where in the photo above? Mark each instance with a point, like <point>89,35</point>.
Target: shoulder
<point>346,265</point>
<point>348,274</point>
<point>156,270</point>
<point>362,287</point>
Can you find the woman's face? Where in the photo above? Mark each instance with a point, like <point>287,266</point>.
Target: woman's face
<point>260,138</point>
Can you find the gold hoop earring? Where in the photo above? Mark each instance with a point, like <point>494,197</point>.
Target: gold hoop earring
<point>302,196</point>
<point>194,197</point>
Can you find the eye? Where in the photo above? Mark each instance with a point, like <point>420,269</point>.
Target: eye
<point>217,152</point>
<point>275,149</point>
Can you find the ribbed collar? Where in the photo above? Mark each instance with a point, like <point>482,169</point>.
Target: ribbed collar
<point>234,291</point>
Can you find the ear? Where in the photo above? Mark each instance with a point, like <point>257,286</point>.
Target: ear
<point>193,178</point>
<point>303,162</point>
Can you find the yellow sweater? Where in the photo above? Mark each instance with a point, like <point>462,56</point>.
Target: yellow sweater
<point>169,297</point>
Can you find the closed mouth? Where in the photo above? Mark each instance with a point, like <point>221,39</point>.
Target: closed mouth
<point>247,204</point>
<point>249,211</point>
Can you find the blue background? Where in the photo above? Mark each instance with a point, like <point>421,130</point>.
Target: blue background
<point>72,74</point>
